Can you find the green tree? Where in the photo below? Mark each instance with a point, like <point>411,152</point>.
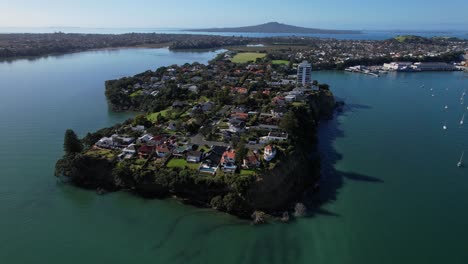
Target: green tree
<point>71,143</point>
<point>141,120</point>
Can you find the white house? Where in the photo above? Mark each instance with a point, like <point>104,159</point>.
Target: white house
<point>274,136</point>
<point>194,156</point>
<point>105,142</point>
<point>269,153</point>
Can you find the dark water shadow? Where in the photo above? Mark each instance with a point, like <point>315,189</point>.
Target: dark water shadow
<point>332,180</point>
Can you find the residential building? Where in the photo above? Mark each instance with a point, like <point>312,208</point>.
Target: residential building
<point>304,74</point>
<point>194,156</point>
<point>269,153</point>
<point>251,161</point>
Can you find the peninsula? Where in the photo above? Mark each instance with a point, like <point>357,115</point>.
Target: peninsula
<point>235,135</point>
<point>275,27</point>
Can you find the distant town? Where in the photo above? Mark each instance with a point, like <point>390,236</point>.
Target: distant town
<point>323,54</point>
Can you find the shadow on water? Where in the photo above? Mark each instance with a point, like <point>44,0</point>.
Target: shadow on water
<point>332,180</point>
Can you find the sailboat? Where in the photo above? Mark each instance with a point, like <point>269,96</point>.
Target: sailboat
<point>460,163</point>
<point>462,120</point>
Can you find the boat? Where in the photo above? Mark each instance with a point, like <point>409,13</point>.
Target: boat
<point>445,126</point>
<point>446,107</point>
<point>462,120</point>
<point>460,163</point>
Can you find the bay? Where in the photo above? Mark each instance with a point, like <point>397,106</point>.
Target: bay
<point>391,191</point>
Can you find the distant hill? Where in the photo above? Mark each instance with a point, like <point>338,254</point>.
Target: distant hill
<point>422,40</point>
<point>275,27</point>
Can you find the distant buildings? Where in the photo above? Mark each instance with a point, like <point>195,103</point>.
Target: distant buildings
<point>419,66</point>
<point>397,66</point>
<point>433,66</point>
<point>304,74</point>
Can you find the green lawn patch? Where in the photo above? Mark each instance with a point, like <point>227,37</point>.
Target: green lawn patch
<point>280,62</point>
<point>298,104</point>
<point>247,172</point>
<point>193,166</point>
<point>247,56</point>
<point>177,163</point>
<point>152,117</point>
<point>137,93</point>
<point>102,153</point>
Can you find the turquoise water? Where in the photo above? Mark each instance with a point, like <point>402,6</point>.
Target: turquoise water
<point>391,192</point>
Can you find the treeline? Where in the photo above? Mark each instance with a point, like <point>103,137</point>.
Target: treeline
<point>30,45</point>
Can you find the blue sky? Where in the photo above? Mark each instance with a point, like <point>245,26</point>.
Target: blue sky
<point>362,14</point>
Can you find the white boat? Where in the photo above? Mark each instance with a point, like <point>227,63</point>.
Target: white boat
<point>446,107</point>
<point>445,126</point>
<point>460,163</point>
<point>462,120</point>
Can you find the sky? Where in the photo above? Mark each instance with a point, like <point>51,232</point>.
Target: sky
<point>331,14</point>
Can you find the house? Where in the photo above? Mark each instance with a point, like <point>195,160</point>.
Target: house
<point>138,128</point>
<point>269,153</point>
<point>105,142</point>
<point>128,152</point>
<point>193,88</point>
<point>274,136</point>
<point>229,156</point>
<point>178,104</point>
<point>145,150</point>
<point>194,156</point>
<point>236,125</point>
<point>291,98</point>
<point>208,106</point>
<point>212,159</point>
<point>251,161</point>
<point>228,161</point>
<point>144,139</point>
<point>162,151</point>
<point>240,116</point>
<point>122,141</point>
<point>241,90</point>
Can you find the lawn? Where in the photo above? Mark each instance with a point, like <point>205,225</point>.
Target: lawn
<point>298,104</point>
<point>247,172</point>
<point>247,56</point>
<point>193,166</point>
<point>101,153</point>
<point>152,117</point>
<point>137,93</point>
<point>177,163</point>
<point>280,62</point>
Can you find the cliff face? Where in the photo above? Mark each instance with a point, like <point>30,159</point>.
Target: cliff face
<point>285,184</point>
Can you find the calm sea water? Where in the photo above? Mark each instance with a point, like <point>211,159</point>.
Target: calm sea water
<point>366,34</point>
<point>391,192</point>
